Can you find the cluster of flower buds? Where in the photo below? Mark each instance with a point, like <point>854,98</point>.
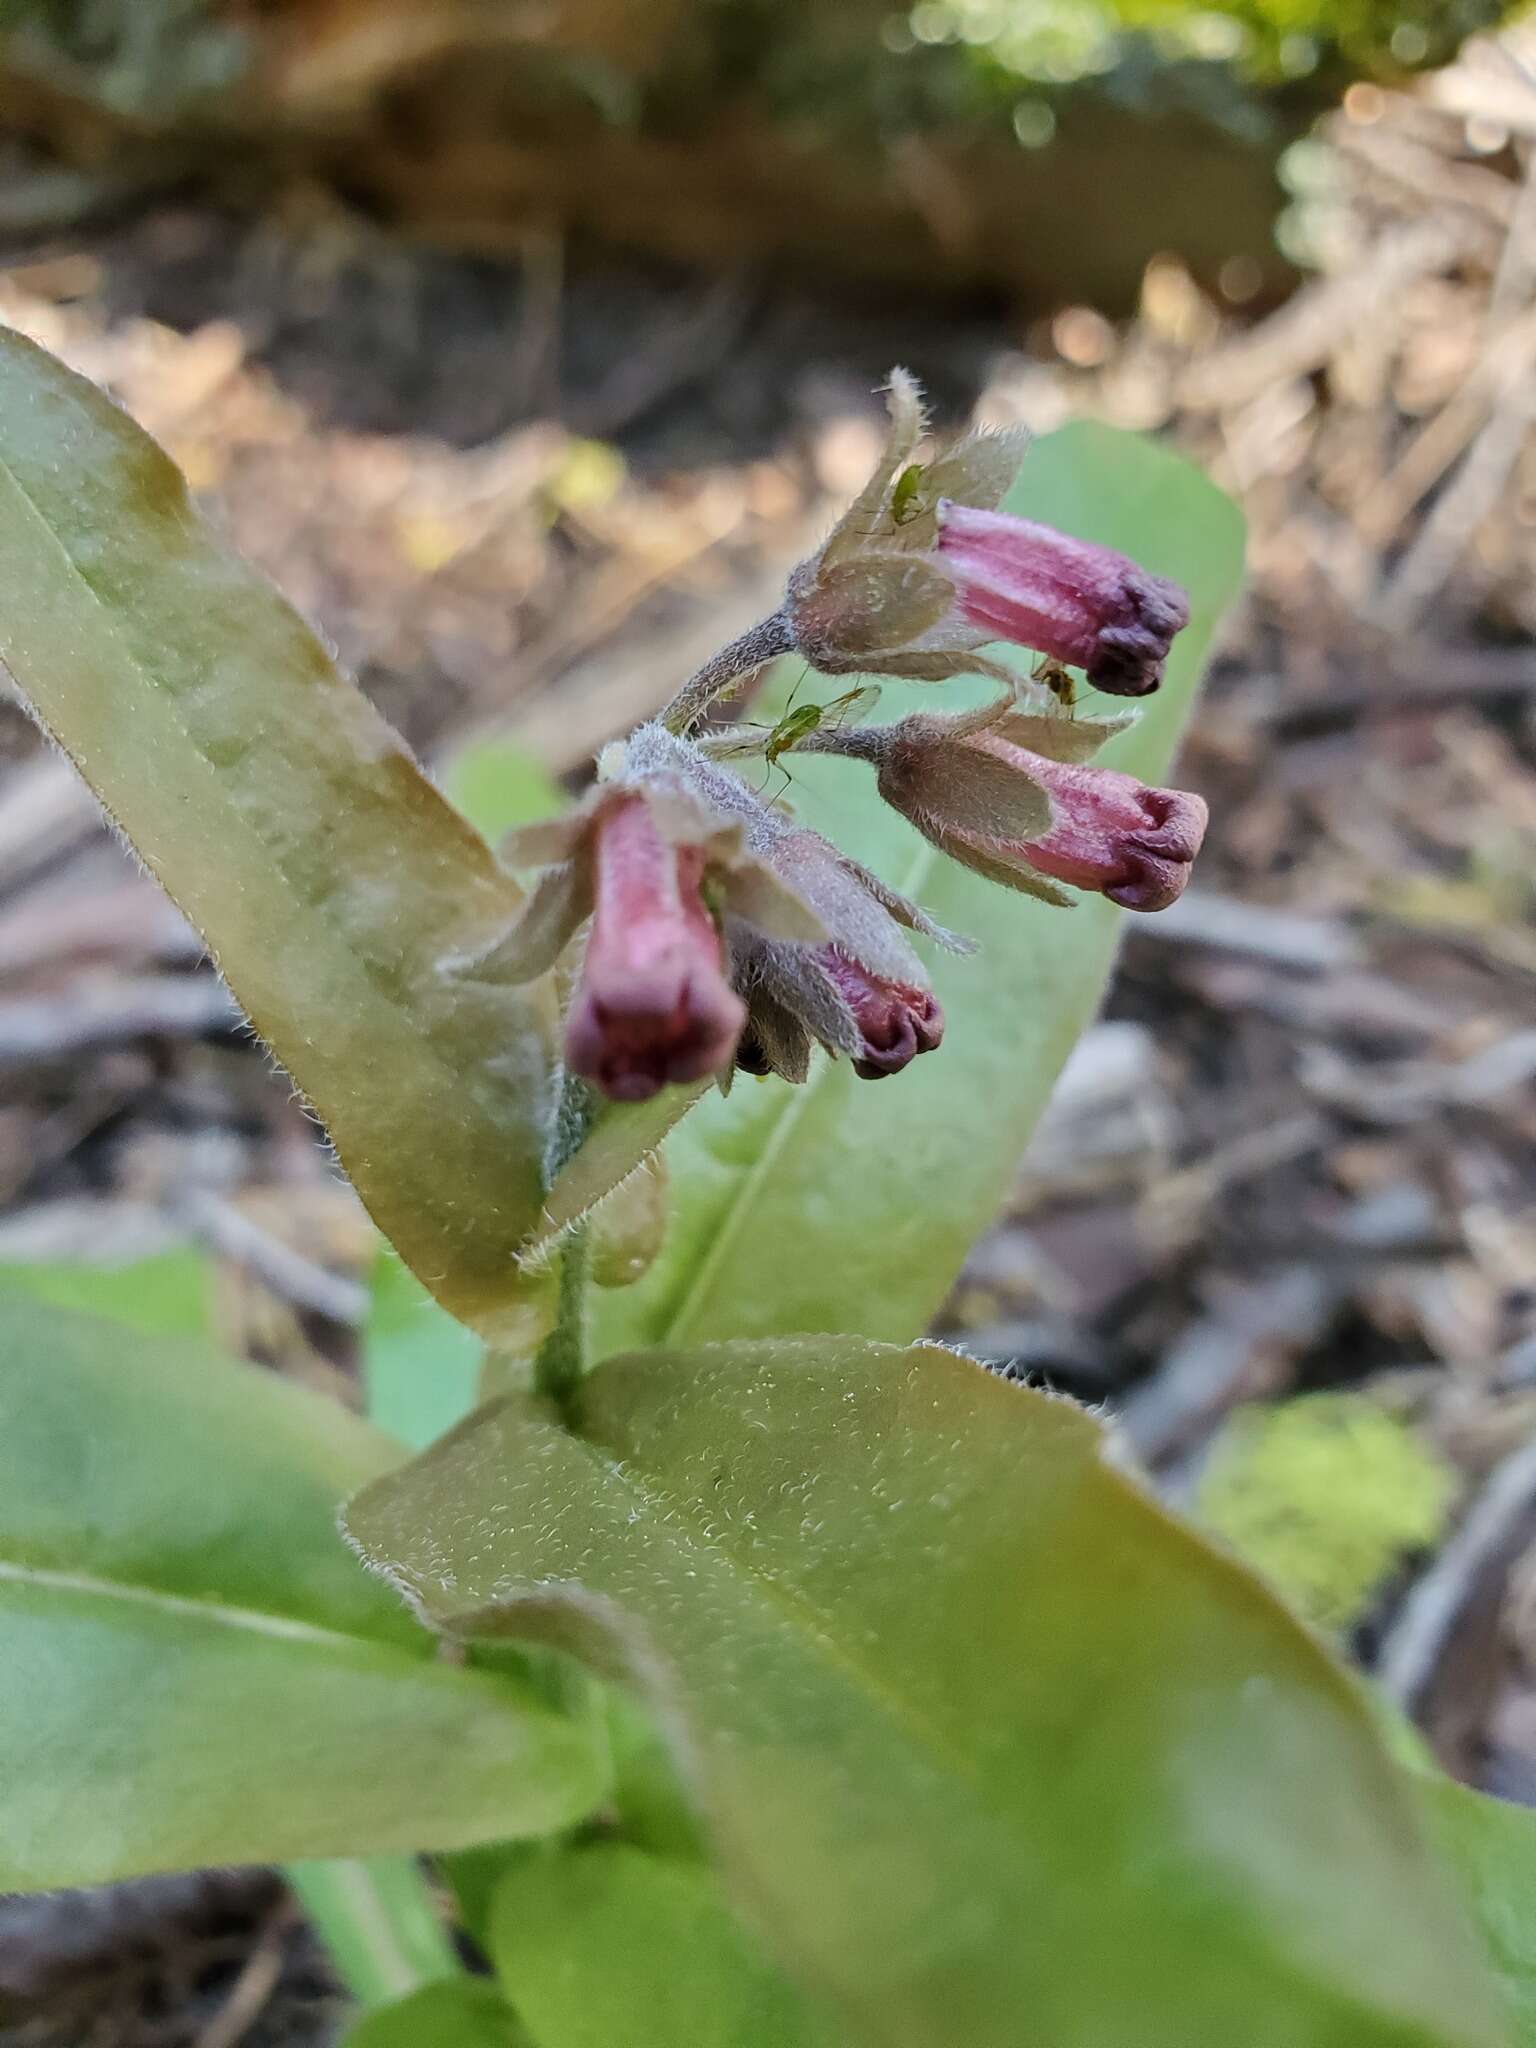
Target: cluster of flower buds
<point>720,934</point>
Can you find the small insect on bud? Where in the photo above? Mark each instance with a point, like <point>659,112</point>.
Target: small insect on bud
<point>652,1004</point>
<point>1010,795</point>
<point>1078,603</point>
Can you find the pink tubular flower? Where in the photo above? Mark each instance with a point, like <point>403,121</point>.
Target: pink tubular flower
<point>895,1021</point>
<point>657,856</point>
<point>1080,604</point>
<point>1109,832</point>
<point>924,570</point>
<point>1011,795</point>
<point>652,1004</point>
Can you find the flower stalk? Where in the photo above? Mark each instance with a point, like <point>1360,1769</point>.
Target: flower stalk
<point>728,673</point>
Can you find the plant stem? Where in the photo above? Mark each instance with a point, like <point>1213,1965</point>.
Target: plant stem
<point>727,671</point>
<point>562,1357</point>
<point>380,1923</point>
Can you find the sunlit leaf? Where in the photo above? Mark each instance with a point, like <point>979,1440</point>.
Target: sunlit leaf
<point>196,1671</point>
<point>994,1749</point>
<point>847,1205</point>
<point>288,821</point>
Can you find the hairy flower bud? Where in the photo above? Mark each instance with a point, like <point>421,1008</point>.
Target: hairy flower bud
<point>1131,842</point>
<point>1081,604</point>
<point>659,855</point>
<point>652,1004</point>
<point>896,1022</point>
<point>1010,795</point>
<point>923,570</point>
<point>862,992</point>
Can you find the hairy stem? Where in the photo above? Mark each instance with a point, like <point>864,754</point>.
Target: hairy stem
<point>727,671</point>
<point>562,1357</point>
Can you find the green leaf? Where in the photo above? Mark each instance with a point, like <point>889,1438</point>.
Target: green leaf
<point>196,1671</point>
<point>498,785</point>
<point>166,1295</point>
<point>379,1923</point>
<point>421,1366</point>
<point>813,1208</point>
<point>604,1945</point>
<point>994,1748</point>
<point>288,821</point>
<point>1491,1845</point>
<point>469,2013</point>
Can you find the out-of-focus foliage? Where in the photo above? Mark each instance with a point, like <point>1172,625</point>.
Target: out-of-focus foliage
<point>1059,41</point>
<point>865,62</point>
<point>1326,1496</point>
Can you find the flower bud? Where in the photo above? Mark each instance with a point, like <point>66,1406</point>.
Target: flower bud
<point>896,1021</point>
<point>1026,817</point>
<point>924,570</point>
<point>652,1004</point>
<point>1131,842</point>
<point>862,992</point>
<point>1080,604</point>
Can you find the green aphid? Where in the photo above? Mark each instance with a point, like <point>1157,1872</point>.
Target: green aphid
<point>906,503</point>
<point>801,720</point>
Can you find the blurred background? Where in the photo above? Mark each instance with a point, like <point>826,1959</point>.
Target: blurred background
<point>527,343</point>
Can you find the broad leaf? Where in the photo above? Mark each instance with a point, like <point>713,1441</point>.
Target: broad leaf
<point>498,785</point>
<point>421,1366</point>
<point>196,1671</point>
<point>605,1945</point>
<point>288,821</point>
<point>468,2013</point>
<point>995,1749</point>
<point>847,1206</point>
<point>1492,1847</point>
<point>168,1294</point>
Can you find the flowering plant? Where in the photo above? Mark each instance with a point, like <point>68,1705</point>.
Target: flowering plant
<point>755,1674</point>
<point>803,945</point>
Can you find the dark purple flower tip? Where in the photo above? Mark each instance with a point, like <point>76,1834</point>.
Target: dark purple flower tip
<point>895,1021</point>
<point>1128,840</point>
<point>1089,606</point>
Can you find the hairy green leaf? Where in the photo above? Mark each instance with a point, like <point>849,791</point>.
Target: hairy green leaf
<point>994,1748</point>
<point>603,1945</point>
<point>847,1206</point>
<point>196,1671</point>
<point>288,821</point>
